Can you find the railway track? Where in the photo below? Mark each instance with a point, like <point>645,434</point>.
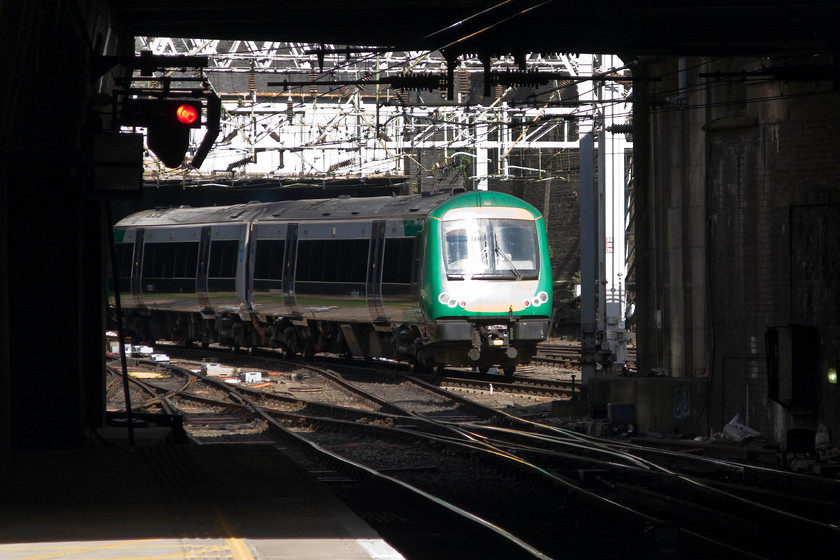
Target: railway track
<point>551,389</point>
<point>433,440</point>
<point>568,354</point>
<point>218,412</point>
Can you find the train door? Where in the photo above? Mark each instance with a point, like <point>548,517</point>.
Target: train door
<point>250,259</point>
<point>128,257</point>
<point>201,278</point>
<point>400,273</point>
<point>374,273</point>
<point>243,274</point>
<point>137,261</point>
<point>268,258</point>
<point>222,267</point>
<point>290,252</point>
<point>417,263</point>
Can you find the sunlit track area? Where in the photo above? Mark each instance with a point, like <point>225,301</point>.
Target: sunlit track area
<point>435,442</point>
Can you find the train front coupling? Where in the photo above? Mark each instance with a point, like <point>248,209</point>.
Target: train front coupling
<point>494,338</point>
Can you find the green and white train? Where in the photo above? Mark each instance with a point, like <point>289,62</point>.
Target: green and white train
<point>443,279</point>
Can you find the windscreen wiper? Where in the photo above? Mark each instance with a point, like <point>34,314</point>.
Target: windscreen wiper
<point>506,259</point>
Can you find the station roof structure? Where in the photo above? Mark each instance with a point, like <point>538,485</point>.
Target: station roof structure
<point>672,27</point>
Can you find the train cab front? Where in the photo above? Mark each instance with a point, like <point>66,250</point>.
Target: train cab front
<point>491,298</point>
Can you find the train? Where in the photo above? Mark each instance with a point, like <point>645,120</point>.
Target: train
<point>440,279</point>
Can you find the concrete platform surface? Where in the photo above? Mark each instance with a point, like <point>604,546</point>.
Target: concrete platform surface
<point>238,502</point>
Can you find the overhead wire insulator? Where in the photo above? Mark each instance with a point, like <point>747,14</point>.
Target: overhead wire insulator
<point>336,166</point>
<point>240,163</point>
<point>624,128</point>
<point>429,82</point>
<point>364,79</point>
<point>531,78</point>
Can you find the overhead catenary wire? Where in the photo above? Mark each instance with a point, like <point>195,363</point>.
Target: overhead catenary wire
<point>659,100</point>
<point>300,104</point>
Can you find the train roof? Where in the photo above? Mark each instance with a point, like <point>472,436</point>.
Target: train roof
<point>341,208</point>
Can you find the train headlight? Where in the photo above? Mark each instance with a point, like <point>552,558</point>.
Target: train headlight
<point>539,299</point>
<point>447,300</point>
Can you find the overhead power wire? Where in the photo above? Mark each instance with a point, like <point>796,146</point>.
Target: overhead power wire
<point>461,39</point>
<point>425,53</point>
<point>494,25</point>
<point>465,20</point>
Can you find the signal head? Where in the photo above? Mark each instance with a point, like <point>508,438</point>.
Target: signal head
<point>187,113</point>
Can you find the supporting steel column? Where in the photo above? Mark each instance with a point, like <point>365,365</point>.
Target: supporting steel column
<point>612,222</point>
<point>587,257</point>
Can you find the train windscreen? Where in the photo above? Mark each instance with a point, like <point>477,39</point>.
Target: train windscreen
<point>490,249</point>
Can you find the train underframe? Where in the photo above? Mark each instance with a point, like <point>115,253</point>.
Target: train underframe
<point>427,347</point>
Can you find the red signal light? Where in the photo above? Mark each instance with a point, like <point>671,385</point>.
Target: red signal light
<point>186,114</point>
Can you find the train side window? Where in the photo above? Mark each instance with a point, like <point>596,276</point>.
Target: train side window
<point>332,260</point>
<point>357,259</point>
<point>152,261</point>
<point>223,258</point>
<point>319,261</point>
<point>125,259</point>
<point>168,260</point>
<point>303,256</point>
<point>186,260</point>
<point>332,252</point>
<point>346,260</point>
<point>310,261</point>
<point>398,260</point>
<point>268,260</point>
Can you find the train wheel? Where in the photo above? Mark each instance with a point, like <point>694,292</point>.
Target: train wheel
<point>508,371</point>
<point>438,370</point>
